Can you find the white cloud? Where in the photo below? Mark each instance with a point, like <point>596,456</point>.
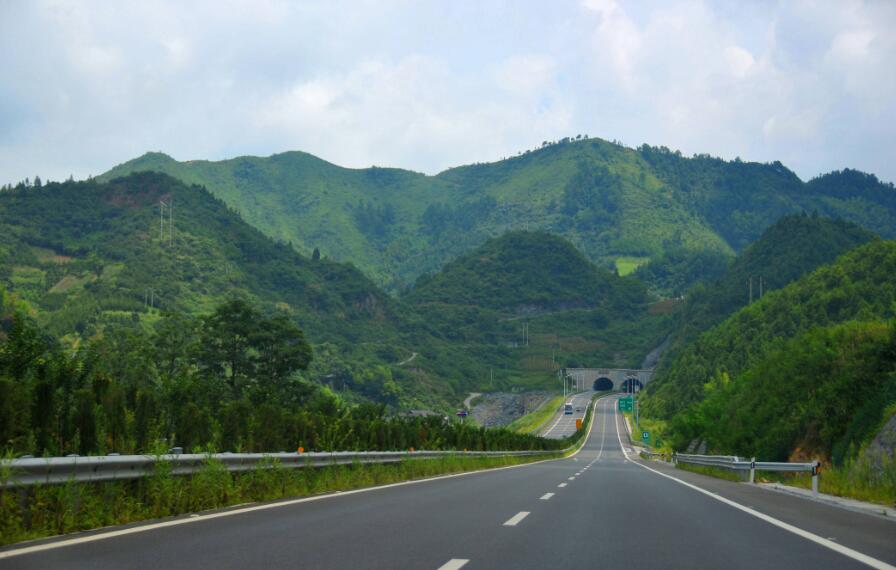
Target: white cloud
<point>851,46</point>
<point>739,60</point>
<point>526,74</point>
<point>428,86</point>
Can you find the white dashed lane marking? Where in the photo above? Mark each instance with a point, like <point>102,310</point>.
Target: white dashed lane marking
<point>454,564</point>
<point>515,519</point>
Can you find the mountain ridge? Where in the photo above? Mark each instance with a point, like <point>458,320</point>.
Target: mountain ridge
<point>610,201</point>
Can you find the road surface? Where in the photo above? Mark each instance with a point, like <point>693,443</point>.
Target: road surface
<point>597,509</point>
<point>562,425</point>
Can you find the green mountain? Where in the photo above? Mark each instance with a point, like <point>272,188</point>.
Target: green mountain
<point>787,250</point>
<point>89,255</point>
<point>619,206</point>
<point>83,252</point>
<point>526,272</point>
<point>821,394</point>
<point>858,286</point>
<point>535,304</point>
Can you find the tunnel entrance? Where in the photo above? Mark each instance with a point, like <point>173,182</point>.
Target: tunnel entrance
<point>631,383</point>
<point>603,385</point>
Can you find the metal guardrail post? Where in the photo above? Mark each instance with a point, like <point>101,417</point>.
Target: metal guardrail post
<point>815,478</point>
<point>752,470</point>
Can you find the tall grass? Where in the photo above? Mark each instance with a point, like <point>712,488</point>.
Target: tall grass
<point>863,480</point>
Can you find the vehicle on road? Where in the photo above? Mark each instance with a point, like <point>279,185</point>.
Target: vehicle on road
<point>567,409</point>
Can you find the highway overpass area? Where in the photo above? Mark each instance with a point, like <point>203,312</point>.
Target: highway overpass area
<point>601,508</point>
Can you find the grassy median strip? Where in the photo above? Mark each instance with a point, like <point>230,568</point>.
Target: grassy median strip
<point>49,510</point>
<point>531,422</point>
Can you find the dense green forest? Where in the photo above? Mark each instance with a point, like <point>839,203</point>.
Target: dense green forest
<point>540,298</point>
<point>686,214</point>
<point>823,393</point>
<point>226,380</point>
<point>527,272</point>
<point>781,355</point>
<point>787,250</point>
<point>86,256</point>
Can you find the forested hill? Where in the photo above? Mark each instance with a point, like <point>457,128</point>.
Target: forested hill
<point>791,247</point>
<point>610,201</point>
<point>859,286</point>
<point>89,253</point>
<point>92,256</point>
<point>527,273</point>
<point>528,303</point>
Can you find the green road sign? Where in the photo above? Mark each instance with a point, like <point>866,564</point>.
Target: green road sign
<point>645,436</point>
<point>625,404</point>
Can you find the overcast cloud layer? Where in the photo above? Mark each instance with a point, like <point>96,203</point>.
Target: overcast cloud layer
<point>426,86</point>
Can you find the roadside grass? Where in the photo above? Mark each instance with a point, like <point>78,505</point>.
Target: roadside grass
<point>538,417</point>
<point>48,510</point>
<point>711,471</point>
<point>874,482</point>
<point>860,480</point>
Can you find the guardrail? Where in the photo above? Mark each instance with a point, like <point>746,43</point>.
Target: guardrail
<point>29,471</point>
<point>735,463</point>
<point>49,470</point>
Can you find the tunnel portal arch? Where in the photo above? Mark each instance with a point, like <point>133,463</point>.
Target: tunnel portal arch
<point>603,384</point>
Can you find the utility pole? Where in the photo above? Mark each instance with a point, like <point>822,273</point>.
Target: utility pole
<point>171,222</point>
<point>751,289</point>
<point>162,221</point>
<point>760,286</point>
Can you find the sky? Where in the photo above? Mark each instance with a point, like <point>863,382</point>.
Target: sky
<point>428,85</point>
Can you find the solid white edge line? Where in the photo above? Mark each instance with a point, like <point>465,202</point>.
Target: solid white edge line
<point>546,496</point>
<point>454,564</point>
<point>839,548</point>
<point>515,519</point>
<point>192,519</point>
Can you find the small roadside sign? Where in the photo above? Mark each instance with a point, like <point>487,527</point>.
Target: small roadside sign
<point>462,414</point>
<point>579,423</point>
<point>645,436</point>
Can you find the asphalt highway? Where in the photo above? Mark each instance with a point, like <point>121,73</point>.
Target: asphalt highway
<point>562,425</point>
<point>597,509</point>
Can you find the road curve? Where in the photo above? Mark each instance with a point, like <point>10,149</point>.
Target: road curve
<point>596,509</point>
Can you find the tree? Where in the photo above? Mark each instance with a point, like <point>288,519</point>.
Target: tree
<point>225,342</point>
<point>315,255</point>
<point>281,350</point>
<point>176,338</point>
